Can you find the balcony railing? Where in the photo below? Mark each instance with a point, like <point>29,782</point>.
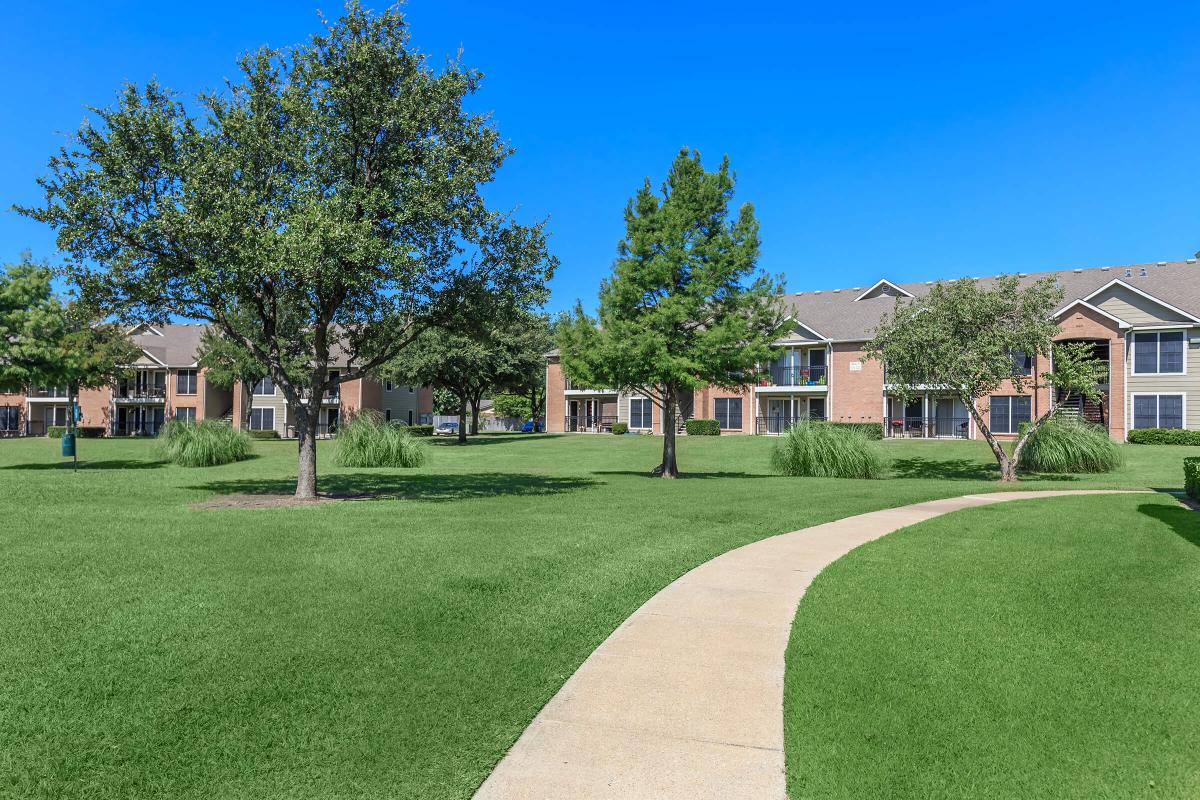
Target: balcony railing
<point>137,392</point>
<point>781,424</point>
<point>799,376</point>
<point>324,431</point>
<point>589,424</point>
<point>49,391</point>
<point>136,428</point>
<point>35,427</point>
<point>927,427</point>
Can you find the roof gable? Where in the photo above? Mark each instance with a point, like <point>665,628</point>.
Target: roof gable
<point>1135,306</point>
<point>884,288</point>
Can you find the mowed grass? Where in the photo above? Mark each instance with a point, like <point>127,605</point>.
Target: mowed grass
<point>365,649</point>
<point>1047,648</point>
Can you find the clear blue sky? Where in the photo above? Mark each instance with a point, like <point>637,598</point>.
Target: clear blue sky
<point>912,141</point>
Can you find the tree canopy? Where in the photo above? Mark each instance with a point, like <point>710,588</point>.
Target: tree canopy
<point>327,205</point>
<point>685,306</point>
<point>965,338</point>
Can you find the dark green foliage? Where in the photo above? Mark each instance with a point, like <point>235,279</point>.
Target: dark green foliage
<point>91,432</point>
<point>1058,446</point>
<point>56,431</point>
<point>620,429</point>
<point>872,430</point>
<point>1164,436</point>
<point>208,443</point>
<point>271,434</point>
<point>368,441</point>
<point>420,430</point>
<point>702,427</point>
<point>1191,477</point>
<point>821,450</point>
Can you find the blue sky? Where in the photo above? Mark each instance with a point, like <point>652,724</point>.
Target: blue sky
<point>912,141</point>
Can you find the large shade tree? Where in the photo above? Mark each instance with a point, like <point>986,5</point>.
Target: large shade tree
<point>968,339</point>
<point>686,305</point>
<point>48,341</point>
<point>327,203</point>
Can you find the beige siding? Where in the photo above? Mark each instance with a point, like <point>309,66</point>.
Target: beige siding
<point>1187,384</point>
<point>276,401</point>
<point>1133,308</point>
<point>399,401</point>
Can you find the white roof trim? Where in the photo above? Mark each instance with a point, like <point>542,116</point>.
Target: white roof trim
<point>884,282</point>
<point>1147,295</point>
<point>1120,322</point>
<point>150,328</point>
<point>150,356</point>
<point>808,328</point>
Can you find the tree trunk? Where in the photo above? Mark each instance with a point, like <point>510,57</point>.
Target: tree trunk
<point>306,470</point>
<point>1008,466</point>
<point>669,468</point>
<point>475,416</point>
<point>462,420</point>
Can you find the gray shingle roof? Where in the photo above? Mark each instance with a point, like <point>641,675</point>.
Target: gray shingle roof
<point>834,314</point>
<point>176,347</point>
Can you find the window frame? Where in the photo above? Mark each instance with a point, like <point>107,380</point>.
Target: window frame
<point>262,412</point>
<point>194,382</point>
<point>254,392</point>
<point>646,415</point>
<point>1024,369</point>
<point>724,422</point>
<point>1011,429</point>
<point>1133,398</point>
<point>190,416</point>
<point>1158,355</point>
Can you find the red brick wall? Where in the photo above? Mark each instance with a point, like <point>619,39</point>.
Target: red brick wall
<point>854,396</point>
<point>706,405</point>
<point>556,400</point>
<point>1087,324</point>
<point>95,405</point>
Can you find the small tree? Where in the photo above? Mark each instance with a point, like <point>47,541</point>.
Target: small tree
<point>515,406</point>
<point>685,306</point>
<point>963,338</point>
<point>451,363</point>
<point>47,342</point>
<point>329,202</point>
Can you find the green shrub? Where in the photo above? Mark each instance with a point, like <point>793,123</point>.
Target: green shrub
<point>368,441</point>
<point>208,443</point>
<point>56,431</point>
<point>1191,477</point>
<point>1164,436</point>
<point>824,450</point>
<point>620,428</point>
<point>420,430</point>
<point>1067,447</point>
<point>263,435</point>
<point>872,430</point>
<point>702,427</point>
<point>90,431</point>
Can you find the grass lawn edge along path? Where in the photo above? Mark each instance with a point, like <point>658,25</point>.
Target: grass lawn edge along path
<point>685,698</point>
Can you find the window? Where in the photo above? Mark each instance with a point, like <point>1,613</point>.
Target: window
<point>262,419</point>
<point>387,386</point>
<point>729,413</point>
<point>410,416</point>
<point>411,389</point>
<point>640,413</point>
<point>1022,363</point>
<point>1159,352</point>
<point>266,386</point>
<point>185,381</point>
<point>1009,412</point>
<point>1158,411</point>
<point>10,418</point>
<point>387,415</point>
<point>185,414</point>
<point>56,415</point>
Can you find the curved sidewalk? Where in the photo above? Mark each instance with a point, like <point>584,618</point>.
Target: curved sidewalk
<point>685,699</point>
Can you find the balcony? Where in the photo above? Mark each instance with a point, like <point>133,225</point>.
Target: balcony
<point>47,393</point>
<point>589,424</point>
<point>144,427</point>
<point>812,378</point>
<point>140,393</point>
<point>777,425</point>
<point>927,427</point>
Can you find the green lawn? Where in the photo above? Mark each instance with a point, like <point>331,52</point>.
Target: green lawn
<point>1048,649</point>
<point>366,649</point>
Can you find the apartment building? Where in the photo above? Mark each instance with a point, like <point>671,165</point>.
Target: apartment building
<point>1144,320</point>
<point>166,382</point>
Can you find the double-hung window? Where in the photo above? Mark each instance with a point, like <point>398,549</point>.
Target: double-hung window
<point>640,413</point>
<point>185,381</point>
<point>729,413</point>
<point>1008,412</point>
<point>262,419</point>
<point>10,419</point>
<point>1158,411</point>
<point>185,414</point>
<point>1159,352</point>
<point>1022,363</point>
<point>266,386</point>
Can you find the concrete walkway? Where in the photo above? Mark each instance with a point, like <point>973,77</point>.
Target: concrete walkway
<point>685,699</point>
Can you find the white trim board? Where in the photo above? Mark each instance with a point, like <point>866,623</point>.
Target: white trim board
<point>884,282</point>
<point>1120,322</point>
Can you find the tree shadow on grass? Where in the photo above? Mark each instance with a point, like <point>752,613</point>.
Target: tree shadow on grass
<point>683,475</point>
<point>944,469</point>
<point>428,488</point>
<point>117,463</point>
<point>493,438</point>
<point>1184,521</point>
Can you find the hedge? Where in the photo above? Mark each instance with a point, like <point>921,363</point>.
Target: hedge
<point>702,427</point>
<point>1164,436</point>
<point>872,430</point>
<point>56,431</point>
<point>90,431</point>
<point>271,434</point>
<point>1191,477</point>
<point>620,428</point>
<point>420,430</point>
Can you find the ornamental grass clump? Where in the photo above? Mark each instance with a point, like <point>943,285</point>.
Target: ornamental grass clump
<point>208,443</point>
<point>370,441</point>
<point>822,450</point>
<point>1065,446</point>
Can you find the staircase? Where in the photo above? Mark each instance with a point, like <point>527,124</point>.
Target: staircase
<point>1081,408</point>
<point>227,417</point>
